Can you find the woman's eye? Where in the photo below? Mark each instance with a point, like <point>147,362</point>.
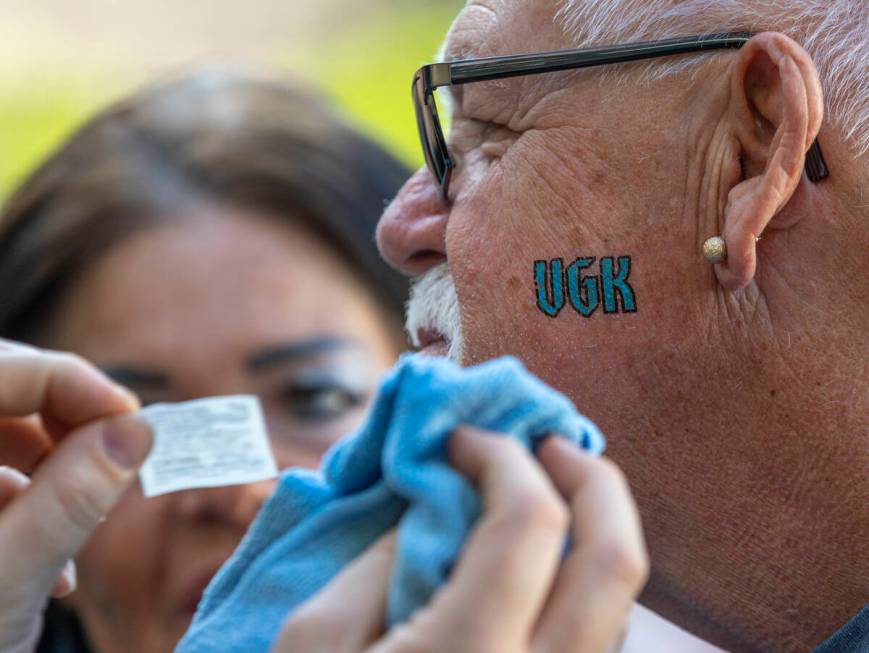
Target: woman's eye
<point>321,402</point>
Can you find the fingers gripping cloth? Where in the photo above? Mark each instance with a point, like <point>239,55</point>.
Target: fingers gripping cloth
<point>393,471</point>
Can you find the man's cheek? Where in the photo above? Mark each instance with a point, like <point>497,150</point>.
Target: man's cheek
<point>494,305</point>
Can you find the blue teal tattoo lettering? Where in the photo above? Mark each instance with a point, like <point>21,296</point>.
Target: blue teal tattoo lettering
<point>618,283</point>
<point>550,286</point>
<point>583,294</point>
<point>585,291</point>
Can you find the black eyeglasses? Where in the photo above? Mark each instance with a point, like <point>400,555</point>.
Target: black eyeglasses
<point>433,76</point>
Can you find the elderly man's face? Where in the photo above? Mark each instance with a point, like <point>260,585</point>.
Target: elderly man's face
<point>707,395</point>
<point>556,167</point>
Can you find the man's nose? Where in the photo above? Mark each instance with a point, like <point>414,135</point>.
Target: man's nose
<point>234,505</point>
<point>411,234</point>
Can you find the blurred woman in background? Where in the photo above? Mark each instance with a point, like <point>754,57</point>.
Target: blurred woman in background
<point>212,235</point>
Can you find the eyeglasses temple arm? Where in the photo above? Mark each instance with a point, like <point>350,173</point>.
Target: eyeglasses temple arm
<point>816,165</point>
<point>478,70</point>
<point>489,68</point>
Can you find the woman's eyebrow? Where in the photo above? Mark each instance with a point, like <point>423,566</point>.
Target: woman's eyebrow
<point>293,351</point>
<point>134,378</point>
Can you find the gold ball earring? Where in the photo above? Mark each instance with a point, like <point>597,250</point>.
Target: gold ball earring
<point>715,250</point>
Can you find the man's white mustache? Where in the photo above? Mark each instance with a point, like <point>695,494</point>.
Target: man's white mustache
<point>434,306</point>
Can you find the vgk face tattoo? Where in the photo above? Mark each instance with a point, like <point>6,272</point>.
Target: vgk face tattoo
<point>556,284</point>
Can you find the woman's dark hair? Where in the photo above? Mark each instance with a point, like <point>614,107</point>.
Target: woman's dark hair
<point>223,137</point>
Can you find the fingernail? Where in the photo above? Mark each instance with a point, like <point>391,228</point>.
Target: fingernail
<point>71,573</point>
<point>14,475</point>
<point>128,395</point>
<point>127,441</point>
<point>66,582</point>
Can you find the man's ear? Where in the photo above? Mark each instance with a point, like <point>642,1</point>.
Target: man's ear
<point>776,112</point>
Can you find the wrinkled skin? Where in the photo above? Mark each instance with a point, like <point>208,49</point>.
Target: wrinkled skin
<point>734,399</point>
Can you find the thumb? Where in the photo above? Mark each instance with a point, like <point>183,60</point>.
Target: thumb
<point>348,613</point>
<point>69,495</point>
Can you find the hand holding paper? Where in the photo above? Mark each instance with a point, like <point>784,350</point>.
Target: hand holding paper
<point>51,402</point>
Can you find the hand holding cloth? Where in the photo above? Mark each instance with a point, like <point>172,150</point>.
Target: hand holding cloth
<point>392,472</point>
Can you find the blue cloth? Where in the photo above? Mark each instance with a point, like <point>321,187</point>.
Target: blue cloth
<point>392,471</point>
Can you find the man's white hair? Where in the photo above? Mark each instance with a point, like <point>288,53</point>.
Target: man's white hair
<point>433,306</point>
<point>835,33</point>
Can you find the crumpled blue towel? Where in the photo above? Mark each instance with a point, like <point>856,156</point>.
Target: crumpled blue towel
<point>392,470</point>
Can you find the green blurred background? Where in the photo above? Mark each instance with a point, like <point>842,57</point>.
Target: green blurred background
<point>61,60</point>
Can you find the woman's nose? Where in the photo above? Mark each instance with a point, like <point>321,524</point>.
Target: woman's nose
<point>411,234</point>
<point>234,505</point>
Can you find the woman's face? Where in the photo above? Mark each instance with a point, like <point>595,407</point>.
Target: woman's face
<point>219,302</point>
